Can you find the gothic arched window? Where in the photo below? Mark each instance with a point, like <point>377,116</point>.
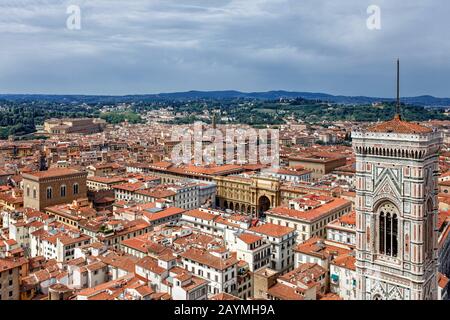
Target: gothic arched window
<point>382,231</point>
<point>63,190</point>
<point>75,188</point>
<point>388,230</point>
<point>49,192</point>
<point>428,230</point>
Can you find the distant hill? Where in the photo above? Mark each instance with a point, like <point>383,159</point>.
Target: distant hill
<point>426,100</point>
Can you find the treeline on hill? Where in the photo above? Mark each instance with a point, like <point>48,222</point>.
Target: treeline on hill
<point>260,113</point>
<point>21,117</point>
<point>116,117</point>
<point>380,112</point>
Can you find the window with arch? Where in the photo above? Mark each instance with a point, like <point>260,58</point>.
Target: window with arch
<point>76,188</point>
<point>49,192</point>
<point>63,189</point>
<point>429,230</point>
<point>388,229</point>
<point>34,193</point>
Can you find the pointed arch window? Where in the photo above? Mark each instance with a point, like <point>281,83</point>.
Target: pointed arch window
<point>63,190</point>
<point>382,232</point>
<point>49,193</point>
<point>394,235</point>
<point>75,188</point>
<point>388,230</point>
<point>429,230</point>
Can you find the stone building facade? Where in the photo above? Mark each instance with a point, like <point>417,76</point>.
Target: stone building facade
<point>396,210</point>
<point>253,195</point>
<point>53,187</point>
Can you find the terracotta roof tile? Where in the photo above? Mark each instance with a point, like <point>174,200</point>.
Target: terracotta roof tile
<point>272,230</point>
<point>397,125</point>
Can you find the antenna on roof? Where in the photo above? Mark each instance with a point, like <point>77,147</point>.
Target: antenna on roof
<point>397,113</point>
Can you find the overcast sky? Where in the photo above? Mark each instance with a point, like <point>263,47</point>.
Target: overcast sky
<point>138,46</point>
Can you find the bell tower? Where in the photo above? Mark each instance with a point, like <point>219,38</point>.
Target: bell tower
<point>396,209</point>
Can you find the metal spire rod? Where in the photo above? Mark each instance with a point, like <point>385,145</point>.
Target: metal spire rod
<point>398,87</point>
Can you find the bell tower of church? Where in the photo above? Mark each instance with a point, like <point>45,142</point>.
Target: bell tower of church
<point>396,209</point>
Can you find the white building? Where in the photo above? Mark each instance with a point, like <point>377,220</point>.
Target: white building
<point>254,250</point>
<point>343,277</point>
<point>90,275</point>
<point>202,219</point>
<point>282,240</point>
<point>57,244</point>
<point>343,229</point>
<point>185,195</point>
<point>309,214</point>
<point>189,287</point>
<point>218,267</point>
<point>318,251</point>
<point>288,174</point>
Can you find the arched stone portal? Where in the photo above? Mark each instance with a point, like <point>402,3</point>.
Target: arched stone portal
<point>263,205</point>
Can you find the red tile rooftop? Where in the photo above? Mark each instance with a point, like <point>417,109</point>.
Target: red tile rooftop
<point>442,280</point>
<point>349,218</point>
<point>150,264</point>
<point>272,230</point>
<point>346,260</point>
<point>203,256</point>
<point>106,179</point>
<point>249,238</point>
<point>11,263</point>
<point>319,248</point>
<point>284,292</point>
<point>157,193</point>
<point>52,173</point>
<point>107,285</point>
<point>200,215</point>
<point>224,296</point>
<point>329,296</point>
<point>306,273</point>
<point>129,186</point>
<point>312,214</point>
<point>165,213</point>
<point>161,164</point>
<point>397,125</point>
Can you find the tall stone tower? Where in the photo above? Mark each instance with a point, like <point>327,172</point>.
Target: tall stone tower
<point>396,208</point>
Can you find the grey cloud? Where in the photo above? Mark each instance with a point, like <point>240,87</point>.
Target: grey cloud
<point>138,46</point>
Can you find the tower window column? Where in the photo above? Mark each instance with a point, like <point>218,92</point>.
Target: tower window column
<point>388,231</point>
